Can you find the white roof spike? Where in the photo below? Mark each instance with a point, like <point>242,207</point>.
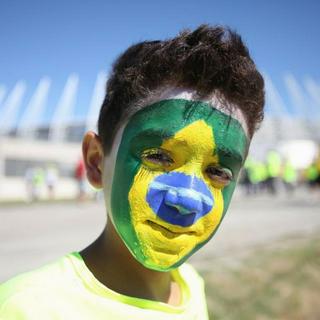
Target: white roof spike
<point>10,108</point>
<point>96,101</point>
<point>3,91</point>
<point>34,110</point>
<point>273,97</point>
<point>297,96</point>
<point>313,90</point>
<point>64,109</point>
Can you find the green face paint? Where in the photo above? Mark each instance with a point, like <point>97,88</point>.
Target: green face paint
<point>169,193</point>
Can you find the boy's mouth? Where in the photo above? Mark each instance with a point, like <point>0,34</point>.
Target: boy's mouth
<point>168,232</point>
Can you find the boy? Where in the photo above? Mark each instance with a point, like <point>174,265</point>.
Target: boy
<point>174,131</point>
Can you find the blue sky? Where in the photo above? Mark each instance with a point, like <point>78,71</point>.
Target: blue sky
<point>56,38</point>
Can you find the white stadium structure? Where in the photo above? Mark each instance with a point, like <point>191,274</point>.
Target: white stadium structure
<point>26,142</point>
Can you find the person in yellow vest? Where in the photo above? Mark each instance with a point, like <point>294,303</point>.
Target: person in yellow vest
<point>246,177</point>
<point>257,175</point>
<point>173,133</point>
<point>317,163</point>
<point>289,176</point>
<point>273,163</point>
<point>312,174</point>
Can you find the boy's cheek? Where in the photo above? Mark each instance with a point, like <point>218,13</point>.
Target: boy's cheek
<point>227,194</point>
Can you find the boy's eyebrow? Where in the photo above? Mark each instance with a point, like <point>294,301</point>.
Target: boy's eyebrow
<point>149,133</point>
<point>224,151</point>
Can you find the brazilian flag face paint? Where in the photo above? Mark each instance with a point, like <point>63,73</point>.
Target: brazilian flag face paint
<point>175,173</point>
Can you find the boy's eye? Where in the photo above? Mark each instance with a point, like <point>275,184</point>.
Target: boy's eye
<point>156,158</point>
<point>221,176</point>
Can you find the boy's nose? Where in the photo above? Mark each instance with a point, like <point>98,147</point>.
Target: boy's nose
<point>179,198</point>
<point>185,201</point>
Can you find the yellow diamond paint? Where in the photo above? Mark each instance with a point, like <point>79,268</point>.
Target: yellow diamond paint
<point>192,149</point>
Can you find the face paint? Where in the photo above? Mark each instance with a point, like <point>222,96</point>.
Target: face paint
<point>179,199</point>
<point>175,172</point>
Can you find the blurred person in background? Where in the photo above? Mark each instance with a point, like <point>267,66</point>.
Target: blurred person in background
<point>289,176</point>
<point>273,163</point>
<point>317,162</point>
<point>256,175</point>
<point>51,177</point>
<point>312,175</point>
<point>35,179</point>
<point>28,177</point>
<point>80,176</point>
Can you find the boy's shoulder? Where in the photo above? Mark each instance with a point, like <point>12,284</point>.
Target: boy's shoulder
<point>63,272</point>
<point>33,284</point>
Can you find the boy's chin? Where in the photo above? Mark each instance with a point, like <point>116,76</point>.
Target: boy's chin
<point>167,262</point>
<point>163,259</point>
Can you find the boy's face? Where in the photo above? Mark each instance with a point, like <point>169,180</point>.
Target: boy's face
<point>174,171</point>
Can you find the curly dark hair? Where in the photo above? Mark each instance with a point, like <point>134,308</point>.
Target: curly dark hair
<point>208,60</point>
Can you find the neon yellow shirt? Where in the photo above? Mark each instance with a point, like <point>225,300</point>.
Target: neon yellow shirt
<point>66,289</point>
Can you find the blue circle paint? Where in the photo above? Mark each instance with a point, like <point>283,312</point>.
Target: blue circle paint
<point>179,199</point>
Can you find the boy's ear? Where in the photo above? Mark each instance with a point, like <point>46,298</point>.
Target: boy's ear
<point>93,157</point>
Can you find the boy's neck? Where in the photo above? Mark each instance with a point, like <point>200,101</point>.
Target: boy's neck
<point>113,265</point>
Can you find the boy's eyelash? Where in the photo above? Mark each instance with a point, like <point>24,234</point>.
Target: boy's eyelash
<point>157,155</point>
<point>220,175</point>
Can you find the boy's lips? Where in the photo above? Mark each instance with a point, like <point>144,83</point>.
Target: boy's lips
<point>168,232</point>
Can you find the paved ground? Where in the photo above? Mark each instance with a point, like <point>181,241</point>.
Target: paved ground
<point>31,235</point>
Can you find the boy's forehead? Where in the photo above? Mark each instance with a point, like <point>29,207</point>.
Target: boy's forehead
<point>161,110</point>
<point>229,111</point>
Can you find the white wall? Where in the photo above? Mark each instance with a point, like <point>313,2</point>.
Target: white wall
<point>14,188</point>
